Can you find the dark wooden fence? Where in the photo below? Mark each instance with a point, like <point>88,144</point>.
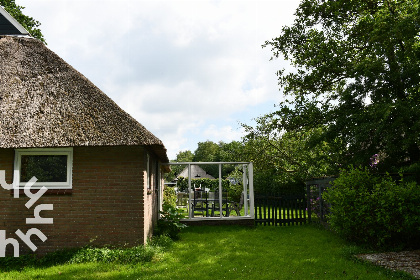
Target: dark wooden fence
<point>280,209</point>
<point>317,207</point>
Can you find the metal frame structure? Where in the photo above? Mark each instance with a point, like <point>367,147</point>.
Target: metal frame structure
<point>248,184</point>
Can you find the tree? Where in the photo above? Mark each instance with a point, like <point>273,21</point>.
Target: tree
<point>218,152</point>
<point>182,156</point>
<point>355,75</point>
<point>27,22</point>
<point>208,151</point>
<point>283,160</point>
<point>231,152</point>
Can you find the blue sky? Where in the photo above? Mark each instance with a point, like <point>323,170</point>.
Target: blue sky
<point>189,71</point>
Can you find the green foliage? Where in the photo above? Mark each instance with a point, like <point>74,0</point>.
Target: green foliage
<point>169,223</point>
<point>211,184</point>
<point>27,22</point>
<point>209,152</point>
<point>265,183</point>
<point>235,192</point>
<point>133,255</point>
<point>169,196</point>
<point>285,159</point>
<point>217,152</point>
<point>12,263</point>
<point>373,209</point>
<point>354,74</point>
<point>161,241</point>
<point>185,156</point>
<point>182,156</point>
<point>411,172</point>
<point>124,256</point>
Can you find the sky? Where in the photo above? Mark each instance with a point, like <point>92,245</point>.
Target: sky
<point>189,71</point>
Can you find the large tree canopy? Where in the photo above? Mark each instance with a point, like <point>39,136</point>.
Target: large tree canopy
<point>356,74</point>
<point>27,22</point>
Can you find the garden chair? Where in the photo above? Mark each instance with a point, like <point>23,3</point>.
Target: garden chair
<point>237,206</point>
<point>181,199</point>
<point>225,203</point>
<point>200,201</point>
<point>211,203</point>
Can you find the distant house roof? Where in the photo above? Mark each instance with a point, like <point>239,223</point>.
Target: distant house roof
<point>44,102</point>
<point>9,26</point>
<point>196,173</point>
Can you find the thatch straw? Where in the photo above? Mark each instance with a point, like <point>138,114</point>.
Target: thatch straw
<point>44,102</point>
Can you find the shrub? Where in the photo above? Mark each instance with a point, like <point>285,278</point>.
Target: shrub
<point>137,254</point>
<point>162,241</point>
<point>211,184</point>
<point>373,209</point>
<point>169,223</point>
<point>235,192</point>
<point>133,255</point>
<point>169,196</point>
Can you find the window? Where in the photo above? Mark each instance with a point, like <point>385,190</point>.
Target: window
<point>52,167</point>
<point>149,185</point>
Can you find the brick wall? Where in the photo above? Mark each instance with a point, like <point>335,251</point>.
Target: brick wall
<point>107,205</point>
<point>150,196</point>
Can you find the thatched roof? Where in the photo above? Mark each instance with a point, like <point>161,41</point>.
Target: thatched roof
<point>44,102</point>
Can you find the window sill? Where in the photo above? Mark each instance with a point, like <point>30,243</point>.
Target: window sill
<point>48,192</point>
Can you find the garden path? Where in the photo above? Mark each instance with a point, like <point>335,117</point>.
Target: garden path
<point>408,261</point>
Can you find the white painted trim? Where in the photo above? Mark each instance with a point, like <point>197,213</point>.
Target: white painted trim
<point>251,188</point>
<point>221,192</point>
<point>200,163</point>
<point>190,193</point>
<point>46,151</point>
<point>148,175</point>
<point>230,218</point>
<point>14,22</point>
<point>245,187</point>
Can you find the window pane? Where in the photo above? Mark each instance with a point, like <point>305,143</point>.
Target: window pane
<point>46,168</point>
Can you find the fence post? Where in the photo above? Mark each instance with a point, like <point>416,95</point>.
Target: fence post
<point>308,202</point>
<point>190,208</point>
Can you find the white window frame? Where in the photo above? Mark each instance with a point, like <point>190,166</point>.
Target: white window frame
<point>148,185</point>
<point>46,151</point>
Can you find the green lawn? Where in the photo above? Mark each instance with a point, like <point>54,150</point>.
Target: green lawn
<point>231,252</point>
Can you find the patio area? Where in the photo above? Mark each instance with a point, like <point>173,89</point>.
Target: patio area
<point>203,203</point>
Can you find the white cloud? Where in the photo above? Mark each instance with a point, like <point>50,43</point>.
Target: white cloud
<point>227,133</point>
<point>187,70</point>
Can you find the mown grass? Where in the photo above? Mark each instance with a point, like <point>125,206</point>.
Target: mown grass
<point>231,252</point>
